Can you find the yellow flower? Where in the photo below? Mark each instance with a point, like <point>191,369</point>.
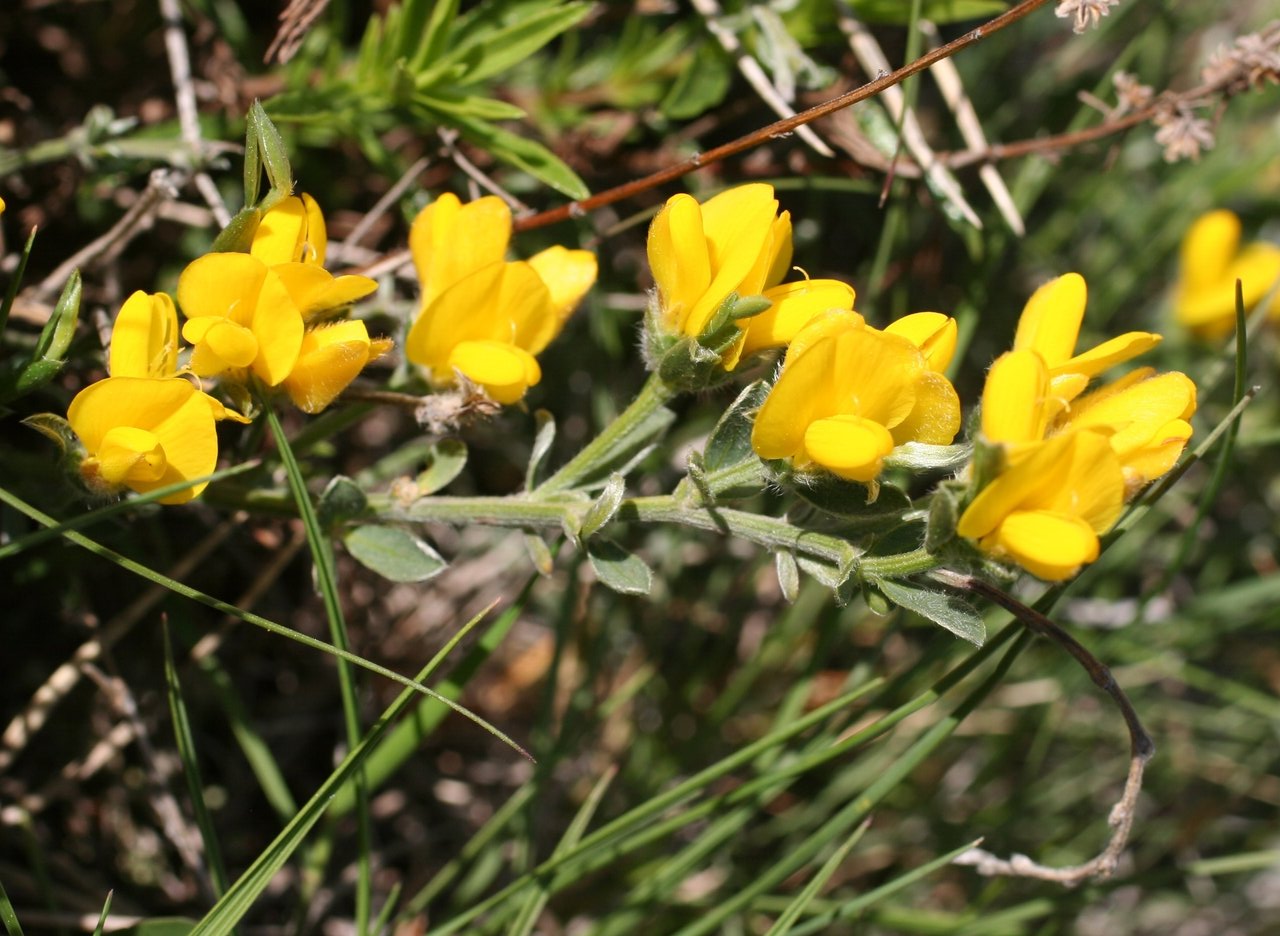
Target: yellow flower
<point>240,314</point>
<point>736,242</point>
<point>331,357</point>
<point>848,394</point>
<point>481,315</point>
<point>1212,260</point>
<point>1070,461</point>
<point>2,206</point>
<point>144,433</point>
<point>1046,511</point>
<point>1050,326</point>
<point>291,240</point>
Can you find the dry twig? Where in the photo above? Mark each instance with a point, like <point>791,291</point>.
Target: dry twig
<point>1141,749</point>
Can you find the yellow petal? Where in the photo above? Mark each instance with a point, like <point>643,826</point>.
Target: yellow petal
<point>1157,457</point>
<point>679,259</point>
<point>450,241</point>
<point>521,312</point>
<point>1049,545</point>
<point>1210,308</point>
<point>505,371</point>
<point>278,327</point>
<point>1208,248</point>
<point>219,346</point>
<point>1111,352</point>
<point>1027,485</point>
<point>780,248</point>
<point>316,244</point>
<point>935,418</point>
<point>281,233</point>
<point>314,290</point>
<point>1013,398</point>
<point>129,455</point>
<point>330,358</point>
<point>1050,321</point>
<point>144,340</point>
<point>1137,409</point>
<point>461,312</point>
<point>1094,488</point>
<point>799,398</point>
<point>568,274</point>
<point>876,375</point>
<point>794,305</point>
<point>848,446</point>
<point>737,224</point>
<point>819,328</point>
<point>221,284</point>
<point>933,333</point>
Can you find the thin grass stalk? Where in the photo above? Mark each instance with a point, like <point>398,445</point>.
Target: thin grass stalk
<point>326,578</point>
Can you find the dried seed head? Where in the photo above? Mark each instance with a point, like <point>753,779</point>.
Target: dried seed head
<point>1131,95</point>
<point>1182,134</point>
<point>1085,13</point>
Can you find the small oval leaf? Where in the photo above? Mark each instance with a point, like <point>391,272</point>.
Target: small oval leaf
<point>394,553</point>
<point>948,610</point>
<point>606,505</point>
<point>618,569</point>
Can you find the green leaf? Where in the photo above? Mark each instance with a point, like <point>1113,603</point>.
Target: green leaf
<point>532,157</point>
<point>186,744</point>
<point>237,236</point>
<point>58,331</point>
<point>16,280</point>
<point>471,106</point>
<point>849,500</point>
<point>701,86</point>
<point>394,553</point>
<point>542,439</point>
<point>436,35</point>
<point>7,915</point>
<point>730,440</point>
<point>940,11</point>
<point>606,505</point>
<point>788,575</point>
<point>445,461</point>
<point>488,50</point>
<point>539,553</point>
<point>618,569</point>
<point>102,917</point>
<point>940,607</point>
<point>252,167</point>
<point>274,154</point>
<point>341,502</point>
<point>227,912</point>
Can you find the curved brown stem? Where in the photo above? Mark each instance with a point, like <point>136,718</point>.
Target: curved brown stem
<point>779,128</point>
<point>1141,749</point>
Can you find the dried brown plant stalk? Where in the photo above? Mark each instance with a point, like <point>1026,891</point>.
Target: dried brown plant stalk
<point>1141,750</point>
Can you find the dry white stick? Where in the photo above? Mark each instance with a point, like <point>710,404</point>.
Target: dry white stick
<point>947,76</point>
<point>873,61</point>
<point>175,44</point>
<point>751,70</point>
<point>361,230</point>
<point>162,187</point>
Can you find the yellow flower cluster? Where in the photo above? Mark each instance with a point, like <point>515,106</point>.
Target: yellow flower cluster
<point>262,312</point>
<point>1071,459</point>
<point>482,316</point>
<point>146,427</point>
<point>1212,261</point>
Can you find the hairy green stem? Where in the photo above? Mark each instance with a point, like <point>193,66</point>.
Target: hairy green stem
<point>617,437</point>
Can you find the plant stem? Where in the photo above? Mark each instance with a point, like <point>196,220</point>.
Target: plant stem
<point>617,438</point>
